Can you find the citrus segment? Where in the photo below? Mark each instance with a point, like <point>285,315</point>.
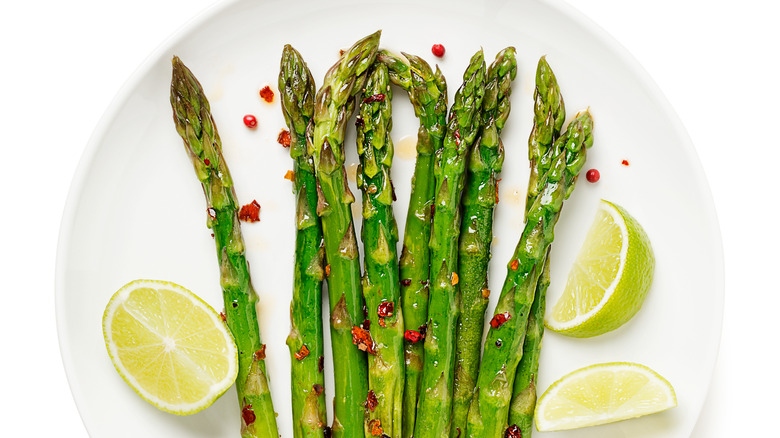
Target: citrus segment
<point>603,393</point>
<point>609,279</point>
<point>170,346</point>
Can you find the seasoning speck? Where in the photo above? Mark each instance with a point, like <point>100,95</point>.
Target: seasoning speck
<point>624,162</point>
<point>250,212</point>
<point>267,94</point>
<point>284,138</point>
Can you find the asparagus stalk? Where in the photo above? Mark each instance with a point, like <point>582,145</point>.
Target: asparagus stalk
<point>503,349</point>
<point>381,287</point>
<point>195,125</point>
<point>296,86</point>
<point>333,107</point>
<point>428,93</point>
<point>549,114</point>
<point>435,404</point>
<point>479,200</point>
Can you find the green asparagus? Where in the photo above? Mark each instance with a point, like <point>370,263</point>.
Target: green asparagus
<point>476,232</point>
<point>428,93</point>
<point>435,404</point>
<point>333,107</point>
<point>549,114</point>
<point>296,87</point>
<point>381,287</point>
<point>503,348</point>
<point>195,125</point>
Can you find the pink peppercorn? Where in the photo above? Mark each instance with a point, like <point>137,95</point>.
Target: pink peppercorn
<point>437,50</point>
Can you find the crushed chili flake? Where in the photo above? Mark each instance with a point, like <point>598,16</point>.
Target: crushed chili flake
<point>454,278</point>
<point>485,293</point>
<point>267,94</point>
<point>499,319</point>
<point>592,175</point>
<point>412,336</point>
<point>284,138</point>
<point>250,212</point>
<point>260,354</point>
<point>513,432</point>
<point>376,427</point>
<point>222,316</point>
<point>624,162</point>
<point>362,338</point>
<point>207,162</point>
<point>302,353</point>
<point>514,264</point>
<point>248,414</point>
<point>366,325</point>
<point>385,309</point>
<point>327,270</point>
<point>374,98</point>
<point>382,322</point>
<point>406,282</point>
<point>290,175</point>
<point>371,400</point>
<point>317,389</point>
<point>321,363</point>
<point>457,136</point>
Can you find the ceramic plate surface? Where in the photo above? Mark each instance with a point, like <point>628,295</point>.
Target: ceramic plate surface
<point>136,209</point>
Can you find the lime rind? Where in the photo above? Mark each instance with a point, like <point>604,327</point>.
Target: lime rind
<point>571,403</point>
<point>624,296</point>
<point>215,390</point>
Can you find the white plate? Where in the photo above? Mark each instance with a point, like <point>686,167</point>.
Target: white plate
<point>137,211</point>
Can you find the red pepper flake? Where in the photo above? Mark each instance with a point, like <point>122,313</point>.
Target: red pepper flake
<point>207,162</point>
<point>248,414</point>
<point>290,175</point>
<point>385,309</point>
<point>513,432</point>
<point>267,94</point>
<point>412,336</point>
<point>222,316</point>
<point>327,270</point>
<point>284,138</point>
<point>437,50</point>
<point>374,98</point>
<point>499,319</point>
<point>260,354</point>
<point>362,338</point>
<point>371,400</point>
<point>302,353</point>
<point>406,282</point>
<point>456,134</point>
<point>318,389</point>
<point>250,121</point>
<point>376,427</point>
<point>485,293</point>
<point>250,212</point>
<point>624,162</point>
<point>592,175</point>
<point>382,322</point>
<point>454,278</point>
<point>514,264</point>
<point>366,325</point>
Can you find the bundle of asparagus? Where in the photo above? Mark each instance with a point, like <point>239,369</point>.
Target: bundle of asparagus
<point>407,333</point>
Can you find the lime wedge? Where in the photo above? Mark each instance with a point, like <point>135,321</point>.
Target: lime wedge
<point>170,346</point>
<point>603,393</point>
<point>609,279</point>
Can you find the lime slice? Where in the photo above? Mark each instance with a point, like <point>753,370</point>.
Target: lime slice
<point>609,279</point>
<point>170,346</point>
<point>603,393</point>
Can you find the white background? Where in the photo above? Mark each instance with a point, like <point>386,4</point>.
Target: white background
<point>63,62</point>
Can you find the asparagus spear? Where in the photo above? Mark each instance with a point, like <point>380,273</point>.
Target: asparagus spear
<point>296,86</point>
<point>195,125</point>
<point>333,107</point>
<point>503,349</point>
<point>549,114</point>
<point>428,93</point>
<point>435,404</point>
<point>381,287</point>
<point>479,200</point>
